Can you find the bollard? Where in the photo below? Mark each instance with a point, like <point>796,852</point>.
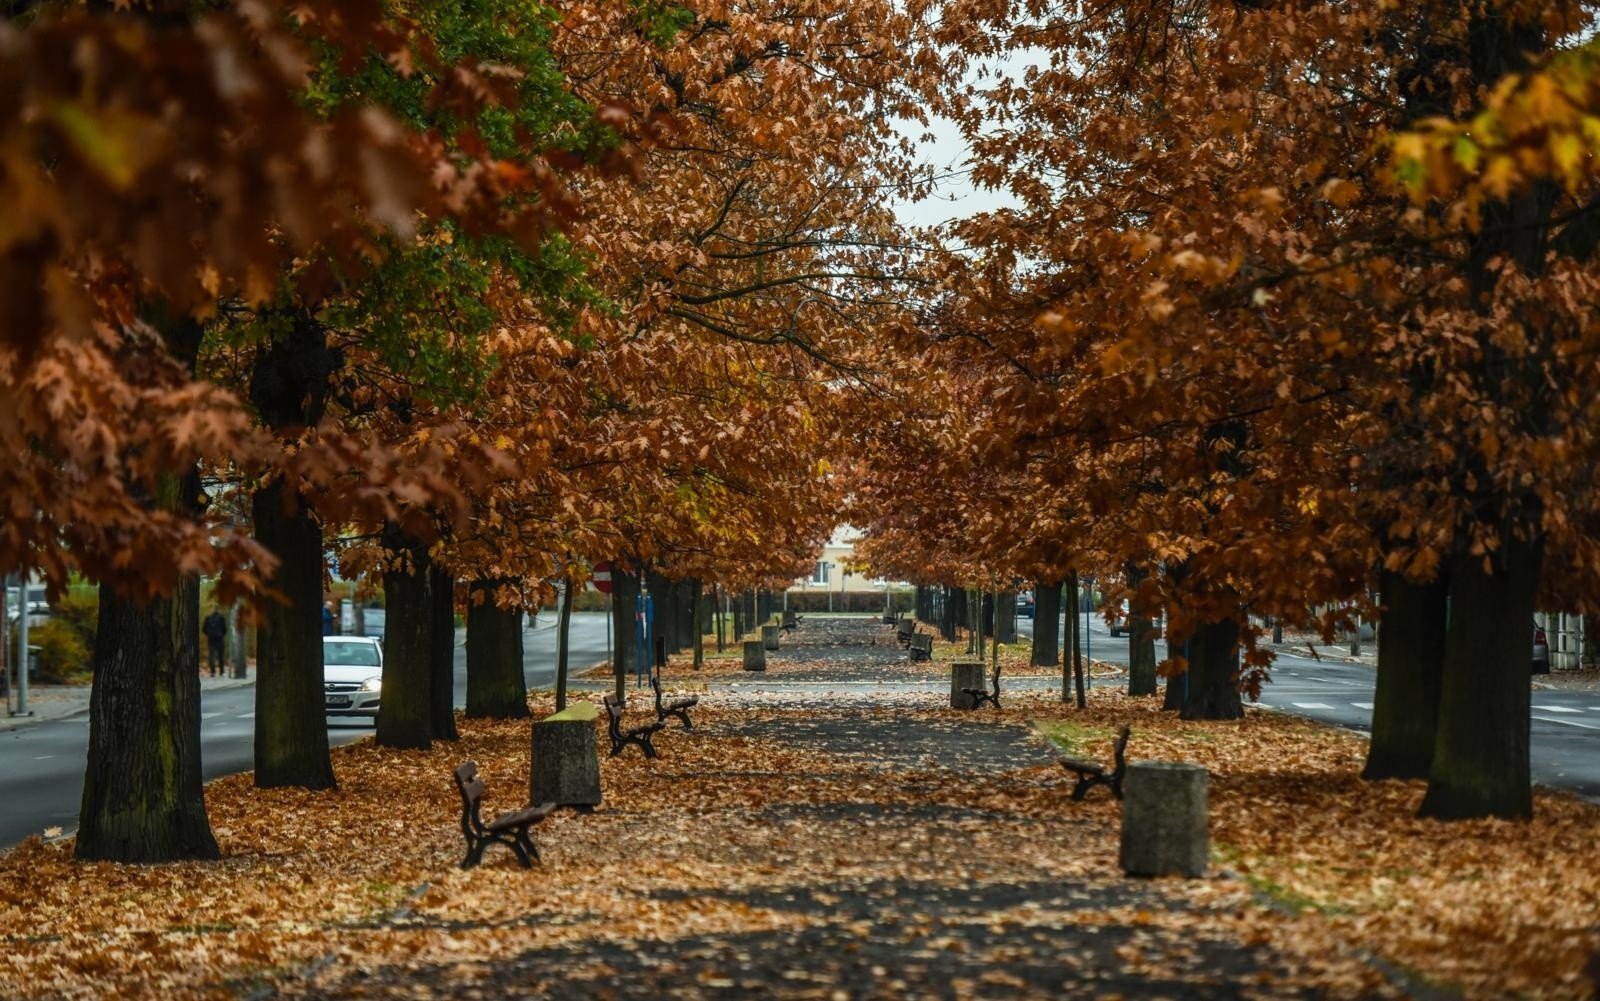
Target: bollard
<point>566,759</point>
<point>1164,827</point>
<point>755,656</point>
<point>964,674</point>
<point>769,637</point>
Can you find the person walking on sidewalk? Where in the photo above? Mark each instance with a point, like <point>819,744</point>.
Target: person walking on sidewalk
<point>215,628</point>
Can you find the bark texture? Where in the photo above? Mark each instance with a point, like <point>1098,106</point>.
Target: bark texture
<point>1480,764</point>
<point>496,688</point>
<point>142,796</point>
<point>291,730</point>
<point>405,720</point>
<point>1047,625</point>
<point>1405,708</point>
<point>442,653</point>
<point>1213,684</point>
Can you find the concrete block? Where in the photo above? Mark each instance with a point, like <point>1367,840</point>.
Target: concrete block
<point>1164,821</point>
<point>755,656</point>
<point>566,758</point>
<point>769,637</point>
<point>964,674</point>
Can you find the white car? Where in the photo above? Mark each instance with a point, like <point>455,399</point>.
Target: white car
<point>352,675</point>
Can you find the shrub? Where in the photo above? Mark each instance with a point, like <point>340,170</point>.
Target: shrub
<point>63,656</point>
<point>80,609</point>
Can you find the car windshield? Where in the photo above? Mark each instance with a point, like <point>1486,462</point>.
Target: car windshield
<point>350,654</point>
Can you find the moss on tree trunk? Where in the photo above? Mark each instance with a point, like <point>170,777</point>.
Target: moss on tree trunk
<point>142,795</point>
<point>1405,708</point>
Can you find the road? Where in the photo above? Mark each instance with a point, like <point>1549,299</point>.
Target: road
<point>41,782</point>
<point>1565,725</point>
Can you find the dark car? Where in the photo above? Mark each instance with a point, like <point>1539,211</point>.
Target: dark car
<point>1541,651</point>
<point>1025,604</point>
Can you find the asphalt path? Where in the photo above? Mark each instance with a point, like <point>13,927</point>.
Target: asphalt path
<point>41,765</point>
<point>1565,726</point>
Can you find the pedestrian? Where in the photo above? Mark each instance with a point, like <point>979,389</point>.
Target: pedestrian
<point>216,631</point>
<point>327,619</point>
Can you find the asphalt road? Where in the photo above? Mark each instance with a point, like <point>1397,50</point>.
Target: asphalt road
<point>41,766</point>
<point>1565,726</point>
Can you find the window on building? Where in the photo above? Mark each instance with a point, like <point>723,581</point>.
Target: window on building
<point>820,574</point>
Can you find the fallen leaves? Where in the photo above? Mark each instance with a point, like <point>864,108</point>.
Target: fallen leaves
<point>880,846</point>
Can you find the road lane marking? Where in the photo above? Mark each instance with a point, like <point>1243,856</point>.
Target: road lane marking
<point>247,716</point>
<point>1362,705</point>
<point>1311,705</point>
<point>1556,709</point>
<point>209,715</point>
<point>1567,722</point>
<point>44,757</point>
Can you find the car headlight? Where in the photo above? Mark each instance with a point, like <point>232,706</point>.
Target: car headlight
<point>372,684</point>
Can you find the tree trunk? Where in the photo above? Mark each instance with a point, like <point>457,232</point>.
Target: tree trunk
<point>142,794</point>
<point>720,613</point>
<point>442,653</point>
<point>1046,625</point>
<point>564,642</point>
<point>738,619</point>
<point>1141,641</point>
<point>236,645</point>
<point>1005,617</point>
<point>697,614</point>
<point>496,688</point>
<point>1480,762</point>
<point>624,610</point>
<point>405,720</point>
<point>1213,683</point>
<point>291,728</point>
<point>1411,648</point>
<point>1076,633</point>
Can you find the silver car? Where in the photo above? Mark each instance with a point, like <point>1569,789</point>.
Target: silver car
<point>352,675</point>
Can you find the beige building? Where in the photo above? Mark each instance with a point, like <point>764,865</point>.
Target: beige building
<point>828,574</point>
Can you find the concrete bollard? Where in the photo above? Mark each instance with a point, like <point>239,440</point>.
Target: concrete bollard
<point>566,759</point>
<point>1164,823</point>
<point>964,674</point>
<point>755,656</point>
<point>769,637</point>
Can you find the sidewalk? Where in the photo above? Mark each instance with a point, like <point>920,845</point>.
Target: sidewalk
<point>53,702</point>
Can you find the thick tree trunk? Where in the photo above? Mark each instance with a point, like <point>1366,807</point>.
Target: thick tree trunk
<point>1005,617</point>
<point>405,720</point>
<point>1046,625</point>
<point>1213,683</point>
<point>624,609</point>
<point>237,656</point>
<point>1480,762</point>
<point>442,653</point>
<point>291,730</point>
<point>738,619</point>
<point>1075,636</point>
<point>496,688</point>
<point>142,795</point>
<point>1411,648</point>
<point>720,613</point>
<point>564,642</point>
<point>1141,642</point>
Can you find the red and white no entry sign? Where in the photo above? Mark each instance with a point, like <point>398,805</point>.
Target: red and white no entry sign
<point>602,578</point>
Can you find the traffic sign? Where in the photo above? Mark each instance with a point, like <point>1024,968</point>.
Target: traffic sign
<point>602,578</point>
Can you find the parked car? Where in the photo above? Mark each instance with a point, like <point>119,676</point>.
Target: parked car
<point>352,675</point>
<point>1120,627</point>
<point>1025,604</point>
<point>1541,651</point>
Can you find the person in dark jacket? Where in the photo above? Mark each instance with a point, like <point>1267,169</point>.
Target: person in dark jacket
<point>215,629</point>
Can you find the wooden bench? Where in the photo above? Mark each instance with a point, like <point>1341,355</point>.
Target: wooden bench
<point>509,829</point>
<point>979,696</point>
<point>921,646</point>
<point>677,707</point>
<point>791,620</point>
<point>1093,773</point>
<point>906,629</point>
<point>639,735</point>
